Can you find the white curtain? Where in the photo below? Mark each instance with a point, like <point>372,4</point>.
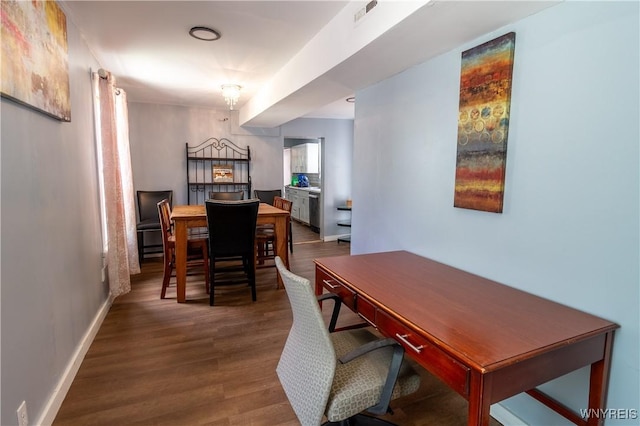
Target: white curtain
<point>112,133</point>
<point>122,115</point>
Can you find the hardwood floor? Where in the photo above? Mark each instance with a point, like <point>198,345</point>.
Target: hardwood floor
<point>159,362</point>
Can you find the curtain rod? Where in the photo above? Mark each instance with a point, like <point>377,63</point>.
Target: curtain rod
<point>104,74</point>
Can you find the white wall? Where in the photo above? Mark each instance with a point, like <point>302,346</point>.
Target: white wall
<point>570,227</point>
<point>158,134</point>
<point>51,241</point>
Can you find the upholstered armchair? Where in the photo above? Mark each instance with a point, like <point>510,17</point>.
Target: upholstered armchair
<point>337,375</point>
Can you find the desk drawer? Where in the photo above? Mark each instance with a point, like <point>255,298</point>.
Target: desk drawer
<point>452,372</point>
<point>324,280</point>
<point>366,311</point>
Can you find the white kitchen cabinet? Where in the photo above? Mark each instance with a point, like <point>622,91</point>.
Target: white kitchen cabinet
<point>305,158</point>
<point>296,160</point>
<point>300,204</point>
<point>303,196</point>
<point>291,194</point>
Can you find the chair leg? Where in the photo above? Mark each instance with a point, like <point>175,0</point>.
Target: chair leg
<point>205,262</point>
<point>252,279</point>
<point>273,244</point>
<point>248,267</point>
<point>290,239</point>
<point>168,268</point>
<point>253,290</point>
<point>212,279</point>
<point>140,246</point>
<point>360,420</point>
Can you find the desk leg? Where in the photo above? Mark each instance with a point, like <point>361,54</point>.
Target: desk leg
<point>599,381</point>
<point>479,399</point>
<point>282,248</point>
<point>181,260</point>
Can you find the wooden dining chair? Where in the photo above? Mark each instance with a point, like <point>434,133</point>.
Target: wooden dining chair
<point>266,236</point>
<point>197,250</point>
<point>284,204</point>
<point>265,243</point>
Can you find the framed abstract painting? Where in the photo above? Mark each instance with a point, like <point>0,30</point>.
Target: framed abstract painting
<point>35,70</point>
<point>483,124</point>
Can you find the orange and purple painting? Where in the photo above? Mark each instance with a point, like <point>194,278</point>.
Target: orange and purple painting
<point>35,70</point>
<point>483,124</point>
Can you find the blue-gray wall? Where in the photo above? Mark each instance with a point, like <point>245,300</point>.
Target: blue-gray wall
<point>570,227</point>
<point>51,241</point>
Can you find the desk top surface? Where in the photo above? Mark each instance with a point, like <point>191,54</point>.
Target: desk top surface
<point>472,317</point>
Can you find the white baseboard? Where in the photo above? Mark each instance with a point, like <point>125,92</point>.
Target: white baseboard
<point>333,237</point>
<point>506,417</point>
<point>57,396</point>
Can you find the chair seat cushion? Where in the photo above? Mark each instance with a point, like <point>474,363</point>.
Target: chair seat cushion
<point>148,225</point>
<point>265,235</point>
<point>349,397</point>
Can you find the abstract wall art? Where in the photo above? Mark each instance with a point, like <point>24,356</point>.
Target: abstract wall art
<point>483,124</point>
<point>35,70</point>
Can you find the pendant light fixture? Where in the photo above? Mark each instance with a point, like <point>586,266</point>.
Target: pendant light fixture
<point>231,94</point>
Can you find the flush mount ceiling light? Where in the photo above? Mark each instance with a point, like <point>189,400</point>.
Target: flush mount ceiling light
<point>351,99</point>
<point>231,94</point>
<point>204,33</point>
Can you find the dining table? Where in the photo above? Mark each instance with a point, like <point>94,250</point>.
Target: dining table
<point>194,216</point>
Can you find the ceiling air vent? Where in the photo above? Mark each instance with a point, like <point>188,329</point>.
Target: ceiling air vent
<point>362,12</point>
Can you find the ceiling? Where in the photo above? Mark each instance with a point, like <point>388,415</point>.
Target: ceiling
<point>292,58</point>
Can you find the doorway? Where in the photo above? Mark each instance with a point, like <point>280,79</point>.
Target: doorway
<point>302,172</point>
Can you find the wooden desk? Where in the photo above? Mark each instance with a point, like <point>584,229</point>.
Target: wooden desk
<point>193,216</point>
<point>487,341</point>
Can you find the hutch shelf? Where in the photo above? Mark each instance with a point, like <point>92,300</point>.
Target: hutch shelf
<point>217,165</point>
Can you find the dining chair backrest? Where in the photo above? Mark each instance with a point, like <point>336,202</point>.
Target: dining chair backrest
<point>282,204</point>
<point>287,205</point>
<point>149,222</point>
<point>148,202</point>
<point>308,362</point>
<point>267,196</point>
<point>164,214</point>
<point>227,195</point>
<point>232,227</point>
